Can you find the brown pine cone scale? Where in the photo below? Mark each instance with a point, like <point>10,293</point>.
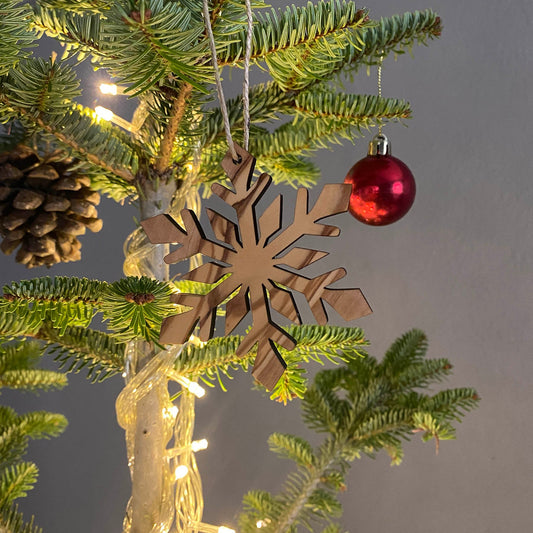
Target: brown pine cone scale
<point>28,200</point>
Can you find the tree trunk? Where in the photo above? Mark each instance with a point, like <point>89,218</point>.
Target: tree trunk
<point>148,446</point>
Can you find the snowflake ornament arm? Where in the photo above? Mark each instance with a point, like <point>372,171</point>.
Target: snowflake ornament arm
<point>255,252</point>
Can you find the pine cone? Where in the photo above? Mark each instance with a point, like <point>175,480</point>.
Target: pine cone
<point>45,204</point>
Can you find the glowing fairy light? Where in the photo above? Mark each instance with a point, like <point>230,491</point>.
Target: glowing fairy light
<point>191,386</point>
<point>195,446</point>
<point>197,390</point>
<point>181,471</point>
<point>199,445</point>
<point>104,113</point>
<point>107,114</point>
<point>170,412</point>
<point>109,88</point>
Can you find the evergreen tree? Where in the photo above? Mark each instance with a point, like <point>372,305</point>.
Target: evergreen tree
<point>57,155</point>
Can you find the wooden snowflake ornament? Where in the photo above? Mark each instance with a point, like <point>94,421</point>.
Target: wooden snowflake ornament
<point>256,252</point>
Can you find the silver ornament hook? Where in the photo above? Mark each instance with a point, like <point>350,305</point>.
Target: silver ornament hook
<point>379,145</point>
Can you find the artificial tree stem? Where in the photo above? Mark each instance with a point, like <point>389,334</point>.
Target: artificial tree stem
<point>149,434</point>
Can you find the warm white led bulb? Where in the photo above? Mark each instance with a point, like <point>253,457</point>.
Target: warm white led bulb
<point>224,529</point>
<point>104,113</point>
<point>198,445</point>
<point>181,471</point>
<point>191,386</point>
<point>109,88</point>
<point>170,412</point>
<point>196,389</point>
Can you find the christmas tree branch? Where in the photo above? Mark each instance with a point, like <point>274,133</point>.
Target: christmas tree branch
<point>15,322</point>
<point>79,32</point>
<point>12,521</point>
<point>121,172</point>
<point>279,31</point>
<point>15,34</point>
<point>133,306</point>
<point>266,101</point>
<point>81,348</point>
<point>41,93</point>
<point>328,113</point>
<point>81,6</point>
<point>301,494</point>
<point>141,49</point>
<point>393,34</point>
<point>301,138</point>
<point>62,301</point>
<point>17,370</point>
<point>215,358</point>
<point>72,141</point>
<point>298,67</point>
<point>354,109</point>
<point>362,408</point>
<point>176,115</point>
<point>294,170</point>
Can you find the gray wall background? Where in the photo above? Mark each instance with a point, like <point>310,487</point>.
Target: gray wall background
<point>458,266</point>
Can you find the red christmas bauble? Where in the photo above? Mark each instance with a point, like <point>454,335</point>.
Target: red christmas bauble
<point>383,187</point>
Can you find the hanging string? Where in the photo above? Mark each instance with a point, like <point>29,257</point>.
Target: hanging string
<point>218,81</point>
<point>380,65</point>
<point>246,83</point>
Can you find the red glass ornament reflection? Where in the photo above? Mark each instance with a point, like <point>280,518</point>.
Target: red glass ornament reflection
<point>383,187</point>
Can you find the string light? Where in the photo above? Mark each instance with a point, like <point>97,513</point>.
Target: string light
<point>262,523</point>
<point>110,89</point>
<point>170,412</point>
<point>195,446</point>
<point>199,445</point>
<point>191,386</point>
<point>181,471</point>
<point>104,113</point>
<point>107,114</point>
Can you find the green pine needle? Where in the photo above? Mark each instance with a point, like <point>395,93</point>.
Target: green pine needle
<point>294,448</point>
<point>16,481</point>
<point>216,358</point>
<point>135,307</point>
<point>42,424</point>
<point>15,34</point>
<point>12,521</point>
<point>98,353</point>
<point>17,368</point>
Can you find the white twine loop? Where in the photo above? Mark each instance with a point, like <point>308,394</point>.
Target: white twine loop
<point>246,82</point>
